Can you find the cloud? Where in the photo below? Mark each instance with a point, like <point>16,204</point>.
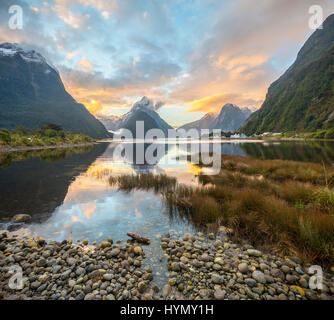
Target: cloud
<point>215,102</point>
<point>247,48</point>
<point>193,55</point>
<point>86,64</point>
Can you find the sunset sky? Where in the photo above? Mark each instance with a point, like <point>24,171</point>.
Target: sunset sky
<point>193,56</point>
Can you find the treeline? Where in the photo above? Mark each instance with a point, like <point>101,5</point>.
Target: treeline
<point>49,134</point>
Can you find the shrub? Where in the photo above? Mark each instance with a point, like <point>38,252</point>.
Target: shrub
<point>329,134</point>
<point>5,136</point>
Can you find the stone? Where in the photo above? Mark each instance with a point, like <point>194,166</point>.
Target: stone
<point>243,267</point>
<point>176,267</point>
<point>71,261</point>
<point>216,278</point>
<point>218,243</point>
<point>219,260</point>
<point>219,294</point>
<point>35,284</point>
<point>251,282</point>
<point>254,253</point>
<point>259,277</point>
<point>115,252</point>
<point>172,282</point>
<point>138,250</point>
<point>105,244</point>
<point>41,262</point>
<point>166,291</point>
<point>142,286</point>
<point>21,218</point>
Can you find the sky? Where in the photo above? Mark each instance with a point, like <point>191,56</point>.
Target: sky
<point>188,56</point>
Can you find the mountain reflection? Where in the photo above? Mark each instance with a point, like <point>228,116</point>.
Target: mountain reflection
<point>37,182</point>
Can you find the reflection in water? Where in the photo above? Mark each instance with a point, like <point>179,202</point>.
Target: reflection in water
<point>70,189</point>
<point>315,151</point>
<point>39,184</point>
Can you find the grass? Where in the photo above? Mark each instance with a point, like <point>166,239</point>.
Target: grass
<point>48,135</point>
<point>282,205</point>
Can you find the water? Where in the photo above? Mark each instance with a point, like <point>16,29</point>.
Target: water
<point>68,194</point>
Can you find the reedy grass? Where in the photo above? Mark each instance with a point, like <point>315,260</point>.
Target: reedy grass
<point>268,204</point>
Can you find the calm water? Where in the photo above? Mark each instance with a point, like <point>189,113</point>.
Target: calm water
<point>68,195</point>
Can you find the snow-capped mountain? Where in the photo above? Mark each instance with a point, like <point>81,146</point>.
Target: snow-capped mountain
<point>29,55</point>
<point>143,110</point>
<point>230,118</point>
<point>32,94</point>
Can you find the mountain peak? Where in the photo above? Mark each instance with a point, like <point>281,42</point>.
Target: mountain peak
<point>27,54</point>
<point>144,103</point>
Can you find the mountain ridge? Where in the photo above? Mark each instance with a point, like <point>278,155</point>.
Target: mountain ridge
<point>302,99</point>
<point>32,94</point>
<point>143,110</point>
<point>230,118</point>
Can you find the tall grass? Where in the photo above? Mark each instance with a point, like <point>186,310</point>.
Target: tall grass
<point>269,204</point>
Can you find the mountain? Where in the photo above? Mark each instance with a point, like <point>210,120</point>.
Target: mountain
<point>143,110</point>
<point>230,118</point>
<point>32,94</point>
<point>203,123</point>
<point>302,99</point>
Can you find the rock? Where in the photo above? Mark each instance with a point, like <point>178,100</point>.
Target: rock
<point>251,282</point>
<point>219,261</point>
<point>299,290</point>
<point>35,284</point>
<point>204,257</point>
<point>189,237</point>
<point>21,218</point>
<point>218,243</point>
<point>108,276</point>
<point>142,286</point>
<point>259,277</point>
<point>71,261</point>
<point>303,282</point>
<point>41,262</point>
<point>138,250</point>
<point>115,252</point>
<point>105,244</point>
<point>243,267</point>
<point>176,267</point>
<point>166,291</point>
<point>286,269</point>
<point>172,282</point>
<point>211,236</point>
<point>254,253</point>
<point>216,278</point>
<point>219,294</point>
<point>277,273</point>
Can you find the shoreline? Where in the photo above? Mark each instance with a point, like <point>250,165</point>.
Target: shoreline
<point>31,148</point>
<point>200,268</point>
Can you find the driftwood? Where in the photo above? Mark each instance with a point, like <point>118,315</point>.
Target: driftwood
<point>139,238</point>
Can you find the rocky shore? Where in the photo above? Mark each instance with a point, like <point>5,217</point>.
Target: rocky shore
<point>224,270</point>
<point>200,268</point>
<point>67,271</point>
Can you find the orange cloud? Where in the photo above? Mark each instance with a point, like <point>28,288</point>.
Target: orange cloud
<point>215,102</point>
<point>86,64</point>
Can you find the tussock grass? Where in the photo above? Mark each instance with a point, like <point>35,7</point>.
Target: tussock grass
<point>271,204</point>
<point>143,181</point>
<point>281,170</point>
